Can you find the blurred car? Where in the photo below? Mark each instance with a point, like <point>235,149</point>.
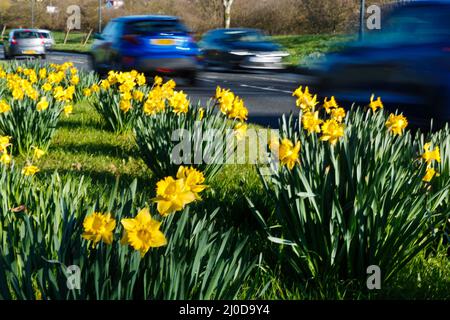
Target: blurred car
<point>406,63</point>
<point>49,42</point>
<point>241,48</point>
<point>150,44</point>
<point>24,42</point>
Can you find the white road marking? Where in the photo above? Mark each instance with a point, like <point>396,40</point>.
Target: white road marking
<point>265,88</point>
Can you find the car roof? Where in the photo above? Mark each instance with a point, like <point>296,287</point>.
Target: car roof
<point>43,30</point>
<point>144,18</point>
<point>24,30</point>
<point>231,30</point>
<point>423,2</point>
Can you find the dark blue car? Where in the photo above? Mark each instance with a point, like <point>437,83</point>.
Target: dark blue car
<point>240,48</point>
<point>150,44</point>
<point>406,63</point>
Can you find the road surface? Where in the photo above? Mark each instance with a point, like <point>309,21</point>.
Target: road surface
<point>266,95</point>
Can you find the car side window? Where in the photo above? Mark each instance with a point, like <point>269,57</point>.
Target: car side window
<point>109,30</point>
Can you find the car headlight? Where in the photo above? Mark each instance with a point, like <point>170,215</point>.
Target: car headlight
<point>241,53</point>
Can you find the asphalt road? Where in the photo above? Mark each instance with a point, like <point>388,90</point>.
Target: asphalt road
<point>267,95</point>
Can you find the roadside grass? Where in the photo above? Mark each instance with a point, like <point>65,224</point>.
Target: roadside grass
<point>303,48</point>
<point>74,42</point>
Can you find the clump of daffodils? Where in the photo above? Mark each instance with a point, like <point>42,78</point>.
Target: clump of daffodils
<point>173,194</point>
<point>5,156</point>
<point>231,105</point>
<point>430,156</point>
<point>332,129</point>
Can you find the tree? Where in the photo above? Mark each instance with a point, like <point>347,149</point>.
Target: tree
<point>227,12</point>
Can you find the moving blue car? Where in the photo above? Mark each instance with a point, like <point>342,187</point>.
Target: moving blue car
<point>151,44</point>
<point>406,63</point>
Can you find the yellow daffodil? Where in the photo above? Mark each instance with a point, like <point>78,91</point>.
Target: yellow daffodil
<point>201,112</point>
<point>288,154</point>
<point>68,109</point>
<point>172,195</point>
<point>75,80</point>
<point>179,102</point>
<point>431,155</point>
<point>238,110</point>
<point>4,142</point>
<point>125,105</point>
<point>330,104</point>
<point>4,107</point>
<point>396,124</point>
<point>30,170</point>
<point>157,81</point>
<point>375,104</point>
<point>5,158</point>
<point>193,180</point>
<point>138,95</point>
<point>305,100</point>
<point>142,232</point>
<point>42,73</point>
<point>47,87</point>
<point>99,227</point>
<point>311,122</point>
<point>38,153</point>
<point>240,130</point>
<point>332,131</point>
<point>338,114</point>
<point>42,104</point>
<point>87,92</point>
<point>429,175</point>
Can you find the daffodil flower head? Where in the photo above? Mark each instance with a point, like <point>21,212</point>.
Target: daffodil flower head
<point>99,227</point>
<point>142,232</point>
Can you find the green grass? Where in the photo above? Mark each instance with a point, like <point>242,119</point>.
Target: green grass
<point>74,41</point>
<point>303,48</point>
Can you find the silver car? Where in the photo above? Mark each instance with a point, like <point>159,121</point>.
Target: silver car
<point>24,42</point>
<point>49,42</point>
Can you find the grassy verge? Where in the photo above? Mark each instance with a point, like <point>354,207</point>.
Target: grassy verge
<point>303,48</point>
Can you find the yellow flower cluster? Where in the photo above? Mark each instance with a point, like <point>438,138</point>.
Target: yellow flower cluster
<point>5,157</point>
<point>430,156</point>
<point>58,81</point>
<point>288,153</point>
<point>160,94</point>
<point>332,129</point>
<point>396,124</point>
<point>231,105</point>
<point>173,195</point>
<point>143,232</point>
<point>127,84</point>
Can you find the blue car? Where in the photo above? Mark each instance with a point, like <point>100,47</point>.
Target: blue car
<point>151,44</point>
<point>407,63</point>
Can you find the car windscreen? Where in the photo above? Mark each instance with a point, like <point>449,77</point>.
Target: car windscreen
<point>244,36</point>
<point>417,24</point>
<point>45,35</point>
<point>26,35</point>
<point>149,27</point>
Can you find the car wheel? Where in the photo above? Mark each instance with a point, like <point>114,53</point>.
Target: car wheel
<point>43,56</point>
<point>6,56</point>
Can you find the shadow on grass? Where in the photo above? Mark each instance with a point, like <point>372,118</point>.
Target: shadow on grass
<point>146,184</point>
<point>78,124</point>
<point>97,149</point>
